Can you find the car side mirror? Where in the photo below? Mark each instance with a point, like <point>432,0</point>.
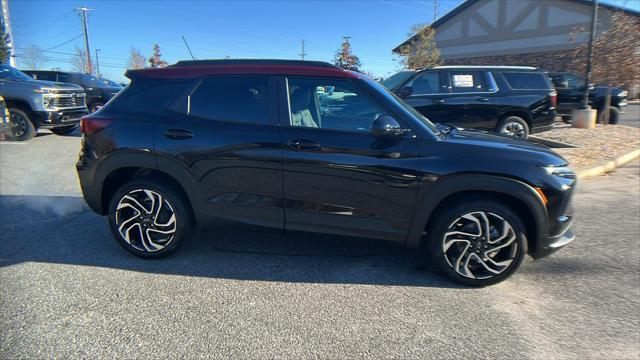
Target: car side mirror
<point>405,91</point>
<point>386,126</point>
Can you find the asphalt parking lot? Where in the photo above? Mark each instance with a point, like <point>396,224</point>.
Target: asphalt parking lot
<point>68,290</point>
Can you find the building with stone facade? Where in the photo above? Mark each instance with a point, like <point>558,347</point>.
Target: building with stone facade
<point>548,34</point>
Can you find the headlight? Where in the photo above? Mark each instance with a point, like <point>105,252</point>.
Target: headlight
<point>623,93</point>
<point>562,171</point>
<point>45,91</point>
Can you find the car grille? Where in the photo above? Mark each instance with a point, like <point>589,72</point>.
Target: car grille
<point>66,99</point>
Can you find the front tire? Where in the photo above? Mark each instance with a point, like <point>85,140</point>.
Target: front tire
<point>21,127</point>
<point>479,242</point>
<point>513,126</point>
<point>63,130</point>
<point>150,218</point>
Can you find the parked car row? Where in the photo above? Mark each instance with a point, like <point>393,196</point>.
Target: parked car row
<point>52,100</point>
<point>510,100</point>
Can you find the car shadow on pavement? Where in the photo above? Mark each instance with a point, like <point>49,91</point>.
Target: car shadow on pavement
<point>62,230</point>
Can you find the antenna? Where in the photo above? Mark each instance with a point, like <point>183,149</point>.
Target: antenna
<point>188,48</point>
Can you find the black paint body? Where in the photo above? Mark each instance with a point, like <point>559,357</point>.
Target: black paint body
<point>313,179</point>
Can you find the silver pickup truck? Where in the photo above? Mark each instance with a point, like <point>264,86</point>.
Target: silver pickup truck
<point>37,104</point>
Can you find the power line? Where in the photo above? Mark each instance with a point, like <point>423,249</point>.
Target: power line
<point>64,43</point>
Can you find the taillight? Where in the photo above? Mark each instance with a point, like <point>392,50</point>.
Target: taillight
<point>90,125</point>
<point>554,98</point>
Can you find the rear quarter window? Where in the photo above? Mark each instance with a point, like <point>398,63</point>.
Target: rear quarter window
<point>146,98</point>
<point>526,80</point>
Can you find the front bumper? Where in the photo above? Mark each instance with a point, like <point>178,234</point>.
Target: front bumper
<point>54,119</point>
<point>550,244</point>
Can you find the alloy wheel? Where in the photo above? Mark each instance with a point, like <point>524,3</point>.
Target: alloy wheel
<point>513,129</point>
<point>18,125</point>
<point>145,220</point>
<point>480,245</point>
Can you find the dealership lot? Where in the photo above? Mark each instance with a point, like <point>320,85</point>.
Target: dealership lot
<point>68,290</point>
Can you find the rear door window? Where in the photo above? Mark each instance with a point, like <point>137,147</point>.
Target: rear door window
<point>467,81</point>
<point>235,99</point>
<point>526,80</point>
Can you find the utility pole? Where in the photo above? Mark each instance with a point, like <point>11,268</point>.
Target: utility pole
<point>97,64</point>
<point>302,53</point>
<point>587,78</point>
<point>85,10</point>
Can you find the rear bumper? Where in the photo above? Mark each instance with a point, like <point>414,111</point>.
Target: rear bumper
<point>54,119</point>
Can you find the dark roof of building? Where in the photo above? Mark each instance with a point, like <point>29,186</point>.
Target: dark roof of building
<point>197,68</point>
<point>460,8</point>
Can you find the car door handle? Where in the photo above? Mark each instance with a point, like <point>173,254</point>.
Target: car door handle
<point>302,144</point>
<point>178,134</point>
<point>439,101</point>
<point>482,99</point>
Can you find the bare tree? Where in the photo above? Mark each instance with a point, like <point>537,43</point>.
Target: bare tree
<point>136,60</point>
<point>33,57</point>
<point>421,51</point>
<point>79,61</point>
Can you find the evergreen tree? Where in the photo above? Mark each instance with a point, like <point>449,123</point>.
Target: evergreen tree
<point>345,58</point>
<point>4,47</point>
<point>156,61</point>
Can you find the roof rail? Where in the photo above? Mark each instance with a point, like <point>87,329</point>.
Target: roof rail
<point>189,63</point>
<point>485,66</point>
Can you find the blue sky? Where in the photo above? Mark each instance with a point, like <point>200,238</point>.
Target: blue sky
<point>240,29</point>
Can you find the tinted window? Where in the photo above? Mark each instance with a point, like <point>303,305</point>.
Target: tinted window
<point>574,81</point>
<point>66,78</point>
<point>9,73</point>
<point>558,81</point>
<point>237,99</point>
<point>331,104</point>
<point>426,83</point>
<point>467,81</point>
<point>526,80</point>
<point>146,99</point>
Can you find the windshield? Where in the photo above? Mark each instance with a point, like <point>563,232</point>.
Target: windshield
<point>90,81</point>
<point>111,83</point>
<point>396,79</point>
<point>405,106</point>
<point>9,73</point>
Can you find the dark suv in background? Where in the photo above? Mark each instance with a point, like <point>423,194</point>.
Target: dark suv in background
<point>571,88</point>
<point>98,92</point>
<point>307,146</point>
<point>511,100</point>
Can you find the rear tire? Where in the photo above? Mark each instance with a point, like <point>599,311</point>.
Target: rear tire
<point>150,218</point>
<point>487,257</point>
<point>63,130</point>
<point>513,126</point>
<point>20,126</point>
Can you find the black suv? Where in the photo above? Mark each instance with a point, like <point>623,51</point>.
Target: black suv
<point>511,100</point>
<point>308,146</point>
<point>98,92</point>
<point>571,88</point>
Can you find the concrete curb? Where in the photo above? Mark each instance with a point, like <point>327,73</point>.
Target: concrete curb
<point>609,166</point>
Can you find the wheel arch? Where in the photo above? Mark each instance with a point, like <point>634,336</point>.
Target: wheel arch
<point>521,197</point>
<point>117,169</point>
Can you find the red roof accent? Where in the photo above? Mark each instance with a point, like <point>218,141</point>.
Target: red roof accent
<point>185,72</point>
